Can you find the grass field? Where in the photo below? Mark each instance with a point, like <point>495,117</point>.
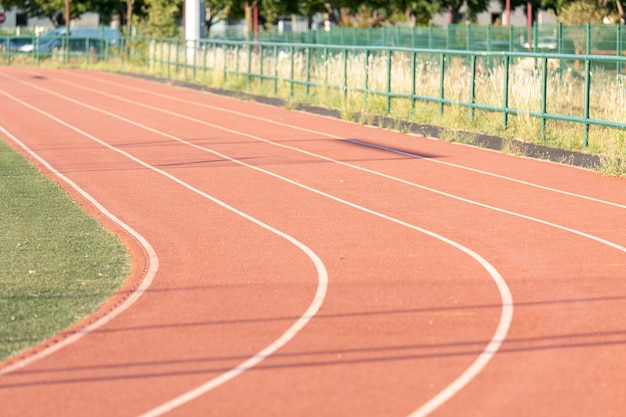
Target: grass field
<point>58,263</point>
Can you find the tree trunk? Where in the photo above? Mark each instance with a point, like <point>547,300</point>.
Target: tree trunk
<point>620,9</point>
<point>454,14</point>
<point>130,4</point>
<point>248,8</point>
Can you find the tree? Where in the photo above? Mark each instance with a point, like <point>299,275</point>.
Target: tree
<point>419,12</point>
<point>310,8</point>
<point>581,12</point>
<point>54,10</point>
<point>129,16</point>
<point>162,18</point>
<point>454,7</point>
<point>216,11</point>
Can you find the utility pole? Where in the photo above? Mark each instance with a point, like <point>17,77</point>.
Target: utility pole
<point>67,14</point>
<point>508,12</point>
<point>192,28</point>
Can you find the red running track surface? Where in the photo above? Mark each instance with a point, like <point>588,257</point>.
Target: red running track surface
<point>287,264</point>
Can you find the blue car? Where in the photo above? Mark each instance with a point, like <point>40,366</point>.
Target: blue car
<point>80,39</point>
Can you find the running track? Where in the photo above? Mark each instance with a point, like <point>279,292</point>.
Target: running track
<point>287,264</point>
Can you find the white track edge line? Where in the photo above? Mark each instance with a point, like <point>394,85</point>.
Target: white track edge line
<point>320,293</point>
<point>505,294</point>
<point>153,266</point>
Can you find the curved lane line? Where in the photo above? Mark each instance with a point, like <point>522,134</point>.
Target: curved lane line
<point>330,135</point>
<point>153,266</point>
<point>478,365</point>
<point>289,334</point>
<point>482,360</point>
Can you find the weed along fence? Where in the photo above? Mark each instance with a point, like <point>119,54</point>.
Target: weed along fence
<point>570,101</point>
<point>552,89</point>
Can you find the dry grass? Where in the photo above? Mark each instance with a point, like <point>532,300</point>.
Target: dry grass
<point>357,83</point>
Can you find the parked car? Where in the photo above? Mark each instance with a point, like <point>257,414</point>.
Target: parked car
<point>14,43</point>
<point>543,44</point>
<point>496,46</point>
<point>80,39</point>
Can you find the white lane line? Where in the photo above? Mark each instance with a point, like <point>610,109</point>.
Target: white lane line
<point>289,334</point>
<point>332,136</point>
<point>153,266</point>
<point>322,157</point>
<point>482,360</point>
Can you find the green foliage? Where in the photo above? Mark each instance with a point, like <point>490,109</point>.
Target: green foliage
<point>58,263</point>
<point>216,11</point>
<point>582,12</point>
<point>54,10</point>
<point>420,11</point>
<point>162,21</point>
<point>51,9</point>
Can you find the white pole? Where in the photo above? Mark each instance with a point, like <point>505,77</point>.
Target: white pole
<point>192,28</point>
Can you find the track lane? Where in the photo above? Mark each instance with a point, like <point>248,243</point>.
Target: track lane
<point>615,272</point>
<point>537,242</point>
<point>448,268</point>
<point>299,323</point>
<point>521,201</point>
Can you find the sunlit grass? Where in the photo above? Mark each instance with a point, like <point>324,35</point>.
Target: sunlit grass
<point>58,263</point>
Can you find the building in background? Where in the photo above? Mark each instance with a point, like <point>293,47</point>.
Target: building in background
<point>15,21</point>
<point>495,16</point>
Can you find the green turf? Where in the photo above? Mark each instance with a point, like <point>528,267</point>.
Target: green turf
<point>57,264</point>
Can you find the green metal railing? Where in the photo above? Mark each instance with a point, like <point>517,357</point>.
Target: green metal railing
<point>555,38</point>
<point>586,90</point>
<point>398,74</point>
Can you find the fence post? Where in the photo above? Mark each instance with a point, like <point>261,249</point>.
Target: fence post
<point>389,56</point>
<point>177,67</point>
<point>442,63</point>
<point>489,47</point>
<point>197,45</point>
<point>472,86</point>
<point>587,95</point>
<point>291,63</point>
<point>204,54</point>
<point>326,66</point>
<point>618,47</point>
<point>544,95</point>
<point>413,81</point>
<point>248,73</point>
<point>559,43</point>
<point>430,37</point>
<point>307,87</point>
<point>345,73</point>
<point>505,93</point>
<point>260,67</point>
<point>275,69</point>
<point>366,76</point>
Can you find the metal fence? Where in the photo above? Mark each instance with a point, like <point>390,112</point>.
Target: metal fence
<point>555,38</point>
<point>583,90</point>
